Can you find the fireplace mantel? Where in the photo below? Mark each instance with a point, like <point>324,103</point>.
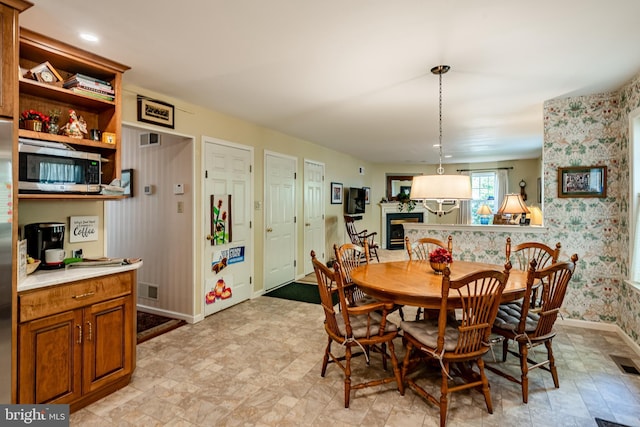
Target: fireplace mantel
<point>392,208</point>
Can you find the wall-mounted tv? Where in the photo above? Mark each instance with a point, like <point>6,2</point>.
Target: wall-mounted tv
<point>355,201</point>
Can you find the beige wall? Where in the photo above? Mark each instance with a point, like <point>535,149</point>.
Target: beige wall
<point>195,121</point>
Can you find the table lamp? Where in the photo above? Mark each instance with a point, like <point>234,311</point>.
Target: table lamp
<point>485,212</point>
<point>536,215</point>
<point>513,205</point>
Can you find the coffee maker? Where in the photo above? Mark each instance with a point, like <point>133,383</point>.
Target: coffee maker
<point>42,236</point>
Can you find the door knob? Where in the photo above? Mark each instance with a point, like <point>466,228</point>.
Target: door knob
<point>209,237</point>
<point>307,224</point>
<point>269,230</point>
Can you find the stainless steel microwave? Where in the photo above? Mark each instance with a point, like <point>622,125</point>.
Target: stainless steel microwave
<point>45,167</point>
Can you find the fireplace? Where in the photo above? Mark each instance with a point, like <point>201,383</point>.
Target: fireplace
<point>395,230</point>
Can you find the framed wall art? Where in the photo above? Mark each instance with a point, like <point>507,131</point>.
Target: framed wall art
<point>155,112</point>
<point>367,195</point>
<point>126,181</point>
<point>336,193</point>
<point>582,181</point>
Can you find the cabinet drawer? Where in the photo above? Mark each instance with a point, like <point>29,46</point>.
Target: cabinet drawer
<point>69,296</point>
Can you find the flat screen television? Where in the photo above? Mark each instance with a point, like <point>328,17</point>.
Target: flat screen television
<point>355,201</point>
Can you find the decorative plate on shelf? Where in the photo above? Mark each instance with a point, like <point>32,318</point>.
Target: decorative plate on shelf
<point>33,266</point>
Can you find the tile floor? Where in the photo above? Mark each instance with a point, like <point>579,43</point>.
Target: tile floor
<point>258,364</point>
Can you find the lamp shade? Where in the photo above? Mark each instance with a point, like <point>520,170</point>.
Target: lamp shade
<point>484,210</point>
<point>513,204</point>
<point>536,215</point>
<point>441,187</point>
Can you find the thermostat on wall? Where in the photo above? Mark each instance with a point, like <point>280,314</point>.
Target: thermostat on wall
<point>178,188</point>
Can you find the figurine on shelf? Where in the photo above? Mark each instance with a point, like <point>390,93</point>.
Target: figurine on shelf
<point>76,127</point>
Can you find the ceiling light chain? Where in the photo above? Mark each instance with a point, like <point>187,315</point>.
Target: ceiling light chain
<point>440,70</point>
<point>440,187</point>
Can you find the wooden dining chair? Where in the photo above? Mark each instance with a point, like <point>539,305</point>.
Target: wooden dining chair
<point>449,343</point>
<point>516,321</point>
<point>364,329</point>
<point>350,256</point>
<point>361,237</point>
<point>420,250</point>
<point>526,252</point>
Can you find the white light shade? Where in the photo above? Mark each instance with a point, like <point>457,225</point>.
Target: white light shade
<point>484,210</point>
<point>536,215</point>
<point>513,204</point>
<point>441,187</point>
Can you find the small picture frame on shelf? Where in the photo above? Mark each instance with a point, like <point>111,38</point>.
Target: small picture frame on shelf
<point>582,181</point>
<point>155,112</point>
<point>44,73</point>
<point>108,137</point>
<point>336,193</point>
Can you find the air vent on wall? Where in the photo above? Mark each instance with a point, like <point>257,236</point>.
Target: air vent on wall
<point>147,290</point>
<point>149,139</point>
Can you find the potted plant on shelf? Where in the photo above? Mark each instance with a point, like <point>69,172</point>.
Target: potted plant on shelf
<point>34,120</point>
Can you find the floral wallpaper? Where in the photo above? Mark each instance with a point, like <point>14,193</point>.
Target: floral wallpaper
<point>580,131</point>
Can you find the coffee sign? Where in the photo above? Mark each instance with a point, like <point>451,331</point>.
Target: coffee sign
<point>83,228</point>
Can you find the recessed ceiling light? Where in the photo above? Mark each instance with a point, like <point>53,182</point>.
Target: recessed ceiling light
<point>89,37</point>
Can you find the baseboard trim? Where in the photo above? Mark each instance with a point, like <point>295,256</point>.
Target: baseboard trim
<point>600,326</point>
<point>167,313</point>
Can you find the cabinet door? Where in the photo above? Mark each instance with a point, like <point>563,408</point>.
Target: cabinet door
<point>108,344</point>
<point>8,72</point>
<point>49,369</point>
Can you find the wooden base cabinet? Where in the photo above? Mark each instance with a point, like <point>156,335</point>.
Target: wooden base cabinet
<point>83,352</point>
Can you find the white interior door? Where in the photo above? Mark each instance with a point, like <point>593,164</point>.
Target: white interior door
<point>313,213</point>
<point>228,253</point>
<point>280,220</point>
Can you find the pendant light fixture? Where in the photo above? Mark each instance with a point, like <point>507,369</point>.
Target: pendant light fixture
<point>440,187</point>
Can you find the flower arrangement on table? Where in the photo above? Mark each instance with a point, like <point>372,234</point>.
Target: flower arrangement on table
<point>439,258</point>
<point>34,120</point>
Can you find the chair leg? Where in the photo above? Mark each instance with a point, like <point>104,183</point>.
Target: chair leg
<point>396,368</point>
<point>524,368</point>
<point>347,376</point>
<point>325,359</point>
<point>552,363</point>
<point>505,349</point>
<point>444,395</point>
<point>405,364</point>
<point>485,386</point>
<point>401,313</point>
<point>383,347</point>
<point>418,313</point>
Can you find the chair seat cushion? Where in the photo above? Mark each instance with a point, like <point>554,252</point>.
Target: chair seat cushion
<point>426,331</point>
<point>359,326</point>
<point>509,316</point>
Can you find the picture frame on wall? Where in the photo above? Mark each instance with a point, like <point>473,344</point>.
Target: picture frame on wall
<point>155,112</point>
<point>126,181</point>
<point>367,195</point>
<point>336,193</point>
<point>582,181</point>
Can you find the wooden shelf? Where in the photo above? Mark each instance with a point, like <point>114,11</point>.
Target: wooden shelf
<point>50,196</point>
<point>43,136</point>
<point>45,90</point>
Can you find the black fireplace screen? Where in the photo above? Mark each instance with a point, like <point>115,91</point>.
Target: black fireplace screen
<point>395,230</point>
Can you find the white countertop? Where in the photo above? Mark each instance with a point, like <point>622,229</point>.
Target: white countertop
<point>43,278</point>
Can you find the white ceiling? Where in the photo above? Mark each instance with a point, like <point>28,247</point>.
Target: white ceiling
<point>353,75</point>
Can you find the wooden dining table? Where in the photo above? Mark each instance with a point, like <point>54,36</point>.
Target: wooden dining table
<point>415,283</point>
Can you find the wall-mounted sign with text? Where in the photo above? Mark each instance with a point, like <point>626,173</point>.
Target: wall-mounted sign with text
<point>83,229</point>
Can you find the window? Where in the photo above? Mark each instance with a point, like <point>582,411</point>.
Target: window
<point>484,190</point>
